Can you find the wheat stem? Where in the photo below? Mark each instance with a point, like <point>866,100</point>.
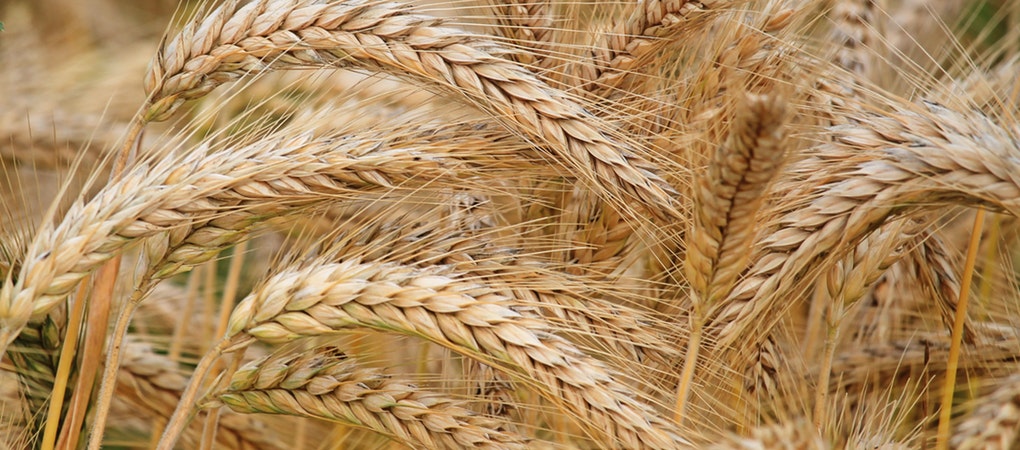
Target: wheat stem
<point>113,362</point>
<point>178,420</point>
<point>949,388</point>
<point>67,357</point>
<point>834,315</point>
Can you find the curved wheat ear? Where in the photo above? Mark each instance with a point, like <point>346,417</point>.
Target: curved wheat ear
<point>621,334</point>
<point>647,28</point>
<point>847,281</point>
<point>207,202</point>
<point>853,29</point>
<point>571,303</point>
<point>232,42</point>
<point>794,435</point>
<point>528,23</point>
<point>898,165</point>
<point>995,423</point>
<point>327,385</point>
<point>153,384</point>
<point>466,317</point>
<point>857,368</point>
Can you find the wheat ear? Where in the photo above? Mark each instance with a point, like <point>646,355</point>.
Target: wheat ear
<point>466,317</point>
<point>206,202</point>
<point>846,190</point>
<point>527,23</point>
<point>832,208</point>
<point>846,282</point>
<point>232,42</point>
<point>637,39</point>
<point>853,29</point>
<point>153,384</point>
<point>727,200</point>
<point>995,423</point>
<point>327,385</point>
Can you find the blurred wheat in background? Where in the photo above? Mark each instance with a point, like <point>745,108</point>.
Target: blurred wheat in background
<point>325,224</point>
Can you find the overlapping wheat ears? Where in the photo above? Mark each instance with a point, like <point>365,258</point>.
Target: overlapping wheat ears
<point>624,239</point>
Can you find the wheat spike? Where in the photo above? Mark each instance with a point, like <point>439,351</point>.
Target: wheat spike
<point>527,23</point>
<point>466,317</point>
<point>995,423</point>
<point>152,384</point>
<point>328,385</point>
<point>192,198</point>
<point>839,198</point>
<point>232,42</point>
<point>636,40</point>
<point>853,30</point>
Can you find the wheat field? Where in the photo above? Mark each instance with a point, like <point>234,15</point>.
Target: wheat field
<point>551,224</point>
